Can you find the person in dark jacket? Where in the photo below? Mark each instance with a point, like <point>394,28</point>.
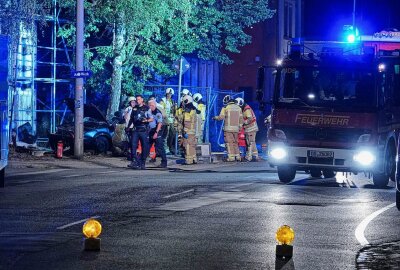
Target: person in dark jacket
<point>140,118</point>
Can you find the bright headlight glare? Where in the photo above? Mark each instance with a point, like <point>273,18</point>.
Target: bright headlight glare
<point>278,153</point>
<point>365,158</point>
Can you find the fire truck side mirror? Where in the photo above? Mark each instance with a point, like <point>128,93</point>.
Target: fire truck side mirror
<point>260,79</point>
<point>259,95</point>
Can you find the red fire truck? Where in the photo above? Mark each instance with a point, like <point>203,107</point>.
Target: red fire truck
<point>336,111</point>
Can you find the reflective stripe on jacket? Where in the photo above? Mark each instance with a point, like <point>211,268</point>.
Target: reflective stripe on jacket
<point>233,116</point>
<point>189,122</point>
<point>249,119</point>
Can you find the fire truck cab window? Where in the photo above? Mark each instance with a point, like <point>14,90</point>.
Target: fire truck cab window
<point>330,87</point>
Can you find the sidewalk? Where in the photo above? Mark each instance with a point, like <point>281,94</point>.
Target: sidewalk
<point>25,160</point>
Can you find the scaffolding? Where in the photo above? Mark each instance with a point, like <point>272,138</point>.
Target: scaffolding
<point>41,80</point>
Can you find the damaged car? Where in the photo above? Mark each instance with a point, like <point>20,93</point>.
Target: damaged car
<point>97,131</point>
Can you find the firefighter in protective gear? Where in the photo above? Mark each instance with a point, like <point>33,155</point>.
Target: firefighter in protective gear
<point>189,130</point>
<point>233,116</point>
<point>250,130</point>
<point>185,92</point>
<point>169,131</point>
<point>169,90</point>
<point>226,99</point>
<point>201,107</point>
<point>178,125</point>
<point>128,110</point>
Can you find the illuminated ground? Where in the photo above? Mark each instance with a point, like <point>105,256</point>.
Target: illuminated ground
<point>216,218</point>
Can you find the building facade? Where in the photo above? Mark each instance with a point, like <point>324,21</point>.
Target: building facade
<point>269,43</point>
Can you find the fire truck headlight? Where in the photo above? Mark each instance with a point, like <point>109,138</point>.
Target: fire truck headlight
<point>365,158</point>
<point>311,96</point>
<point>278,153</point>
<point>279,62</point>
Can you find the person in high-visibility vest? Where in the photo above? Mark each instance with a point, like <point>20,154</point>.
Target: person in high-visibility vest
<point>200,106</point>
<point>178,124</point>
<point>169,105</point>
<point>189,130</point>
<point>233,120</point>
<point>250,129</point>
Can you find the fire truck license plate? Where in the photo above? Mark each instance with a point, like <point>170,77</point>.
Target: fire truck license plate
<point>320,154</point>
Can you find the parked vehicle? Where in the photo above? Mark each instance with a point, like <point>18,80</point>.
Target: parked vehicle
<point>97,130</point>
<point>336,112</point>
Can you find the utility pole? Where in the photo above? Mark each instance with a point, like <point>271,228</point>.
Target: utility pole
<point>78,140</point>
<point>179,98</point>
<point>354,15</point>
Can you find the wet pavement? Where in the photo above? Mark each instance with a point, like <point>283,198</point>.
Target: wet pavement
<point>383,256</point>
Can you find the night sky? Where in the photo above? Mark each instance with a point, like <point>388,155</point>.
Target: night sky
<point>324,19</point>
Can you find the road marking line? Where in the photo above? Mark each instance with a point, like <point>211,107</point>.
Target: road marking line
<point>74,223</point>
<point>359,233</point>
<point>177,194</point>
<point>39,172</point>
<point>72,175</point>
<point>107,172</point>
<point>204,200</point>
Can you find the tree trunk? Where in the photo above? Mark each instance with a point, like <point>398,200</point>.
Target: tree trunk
<point>118,59</point>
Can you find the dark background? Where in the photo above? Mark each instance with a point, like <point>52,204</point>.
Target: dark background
<point>324,19</point>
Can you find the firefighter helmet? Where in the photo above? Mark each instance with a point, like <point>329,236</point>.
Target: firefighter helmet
<point>226,99</point>
<point>131,99</point>
<point>197,97</point>
<point>239,101</point>
<point>186,92</point>
<point>187,99</point>
<point>169,90</point>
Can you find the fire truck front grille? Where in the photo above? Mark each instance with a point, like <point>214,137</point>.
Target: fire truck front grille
<point>323,161</point>
<point>323,134</point>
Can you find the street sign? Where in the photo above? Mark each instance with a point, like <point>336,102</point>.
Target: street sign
<point>81,74</point>
<point>185,65</point>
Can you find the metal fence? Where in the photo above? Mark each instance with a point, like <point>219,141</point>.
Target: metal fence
<point>213,130</point>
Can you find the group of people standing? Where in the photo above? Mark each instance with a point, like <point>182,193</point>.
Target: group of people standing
<point>159,123</point>
<point>238,117</point>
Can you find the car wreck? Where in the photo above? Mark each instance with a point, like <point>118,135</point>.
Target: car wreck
<point>97,131</point>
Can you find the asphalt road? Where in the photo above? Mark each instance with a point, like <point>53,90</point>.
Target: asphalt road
<point>223,217</point>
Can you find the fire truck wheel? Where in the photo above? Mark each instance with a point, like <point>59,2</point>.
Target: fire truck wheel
<point>329,173</point>
<point>392,163</point>
<point>380,180</point>
<point>398,199</point>
<point>286,173</point>
<point>316,173</point>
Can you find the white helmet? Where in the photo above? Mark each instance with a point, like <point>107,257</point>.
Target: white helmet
<point>239,101</point>
<point>187,99</point>
<point>169,90</point>
<point>197,97</point>
<point>186,92</point>
<point>131,99</point>
<point>226,99</point>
